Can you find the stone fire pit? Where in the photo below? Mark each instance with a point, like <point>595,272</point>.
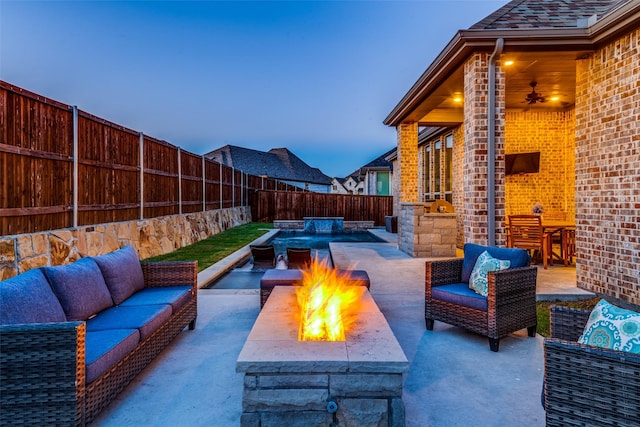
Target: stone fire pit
<point>341,383</point>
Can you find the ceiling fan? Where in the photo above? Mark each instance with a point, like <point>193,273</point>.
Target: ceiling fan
<point>534,96</point>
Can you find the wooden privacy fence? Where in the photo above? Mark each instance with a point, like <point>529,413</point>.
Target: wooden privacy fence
<point>267,206</point>
<point>61,167</point>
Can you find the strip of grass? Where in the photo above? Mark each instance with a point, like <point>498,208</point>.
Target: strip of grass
<point>543,311</point>
<point>211,250</point>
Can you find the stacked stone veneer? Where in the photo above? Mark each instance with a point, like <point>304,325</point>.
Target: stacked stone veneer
<point>150,237</point>
<point>357,382</point>
<point>423,234</point>
<point>608,169</point>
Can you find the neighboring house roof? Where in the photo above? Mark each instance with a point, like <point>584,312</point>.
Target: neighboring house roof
<point>545,13</point>
<point>379,163</point>
<point>278,163</point>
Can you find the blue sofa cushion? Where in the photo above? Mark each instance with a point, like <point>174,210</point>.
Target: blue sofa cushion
<point>122,273</point>
<point>517,257</point>
<point>177,296</point>
<point>144,318</point>
<point>28,298</point>
<point>105,348</point>
<point>459,294</point>
<point>80,288</point>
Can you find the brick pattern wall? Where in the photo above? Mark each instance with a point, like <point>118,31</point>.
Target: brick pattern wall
<point>608,169</point>
<point>551,133</point>
<point>475,150</point>
<point>408,161</point>
<point>458,183</point>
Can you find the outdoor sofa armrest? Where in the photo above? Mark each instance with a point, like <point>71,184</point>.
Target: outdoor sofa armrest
<point>43,373</point>
<point>585,385</point>
<point>567,323</point>
<point>170,273</point>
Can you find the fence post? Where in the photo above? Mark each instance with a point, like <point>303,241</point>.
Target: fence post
<point>204,185</point>
<point>75,166</point>
<point>141,145</point>
<point>179,183</point>
<point>233,187</point>
<point>220,185</point>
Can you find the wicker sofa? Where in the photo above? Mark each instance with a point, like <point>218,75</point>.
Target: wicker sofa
<point>586,385</point>
<point>73,336</point>
<point>510,304</point>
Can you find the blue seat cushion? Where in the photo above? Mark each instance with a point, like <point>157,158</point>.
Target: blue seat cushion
<point>144,318</point>
<point>122,273</point>
<point>105,348</point>
<point>518,257</point>
<point>459,294</point>
<point>80,288</point>
<point>28,298</point>
<point>176,296</point>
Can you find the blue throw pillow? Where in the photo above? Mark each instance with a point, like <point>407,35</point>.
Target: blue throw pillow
<point>28,298</point>
<point>122,273</point>
<point>612,327</point>
<point>518,257</point>
<point>80,288</point>
<point>484,264</point>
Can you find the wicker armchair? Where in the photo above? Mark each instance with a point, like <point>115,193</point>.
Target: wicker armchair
<point>585,385</point>
<point>510,302</point>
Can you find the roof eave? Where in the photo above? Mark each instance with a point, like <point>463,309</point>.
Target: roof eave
<point>467,41</point>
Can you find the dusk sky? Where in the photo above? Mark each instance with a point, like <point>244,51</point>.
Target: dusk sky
<point>315,77</point>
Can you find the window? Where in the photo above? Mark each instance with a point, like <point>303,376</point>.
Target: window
<point>448,168</point>
<point>438,168</point>
<point>427,172</point>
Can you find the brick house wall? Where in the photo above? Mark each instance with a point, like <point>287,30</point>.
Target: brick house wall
<point>475,172</point>
<point>551,133</point>
<point>608,169</point>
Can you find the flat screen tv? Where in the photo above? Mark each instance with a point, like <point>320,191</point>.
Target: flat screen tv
<point>522,163</point>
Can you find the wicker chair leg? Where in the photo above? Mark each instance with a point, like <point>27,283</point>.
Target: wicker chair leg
<point>192,325</point>
<point>494,344</point>
<point>531,330</point>
<point>429,324</point>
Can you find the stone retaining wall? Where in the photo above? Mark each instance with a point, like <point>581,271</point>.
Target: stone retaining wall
<point>150,237</point>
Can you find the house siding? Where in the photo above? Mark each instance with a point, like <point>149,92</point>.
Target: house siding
<point>608,169</point>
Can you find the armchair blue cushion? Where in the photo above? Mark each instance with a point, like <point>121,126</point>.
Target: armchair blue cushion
<point>518,257</point>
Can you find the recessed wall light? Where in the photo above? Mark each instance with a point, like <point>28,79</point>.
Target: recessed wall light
<point>555,98</point>
<point>508,63</point>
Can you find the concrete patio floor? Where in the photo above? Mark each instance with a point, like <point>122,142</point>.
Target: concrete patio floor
<point>454,379</point>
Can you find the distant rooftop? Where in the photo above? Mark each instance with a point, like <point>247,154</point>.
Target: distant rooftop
<point>277,163</point>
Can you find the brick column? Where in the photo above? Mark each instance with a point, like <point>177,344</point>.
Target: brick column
<point>476,132</point>
<point>408,162</point>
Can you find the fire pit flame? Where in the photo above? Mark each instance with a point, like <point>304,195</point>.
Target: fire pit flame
<point>328,303</point>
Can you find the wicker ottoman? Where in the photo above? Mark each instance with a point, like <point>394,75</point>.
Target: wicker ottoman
<point>275,277</point>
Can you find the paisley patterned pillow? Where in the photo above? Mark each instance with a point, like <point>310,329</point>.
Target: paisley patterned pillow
<point>484,264</point>
<point>612,327</point>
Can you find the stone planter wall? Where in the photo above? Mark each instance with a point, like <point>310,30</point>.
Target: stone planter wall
<point>150,237</point>
<point>426,234</point>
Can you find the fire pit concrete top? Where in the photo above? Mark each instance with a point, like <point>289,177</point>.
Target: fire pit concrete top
<point>273,346</point>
